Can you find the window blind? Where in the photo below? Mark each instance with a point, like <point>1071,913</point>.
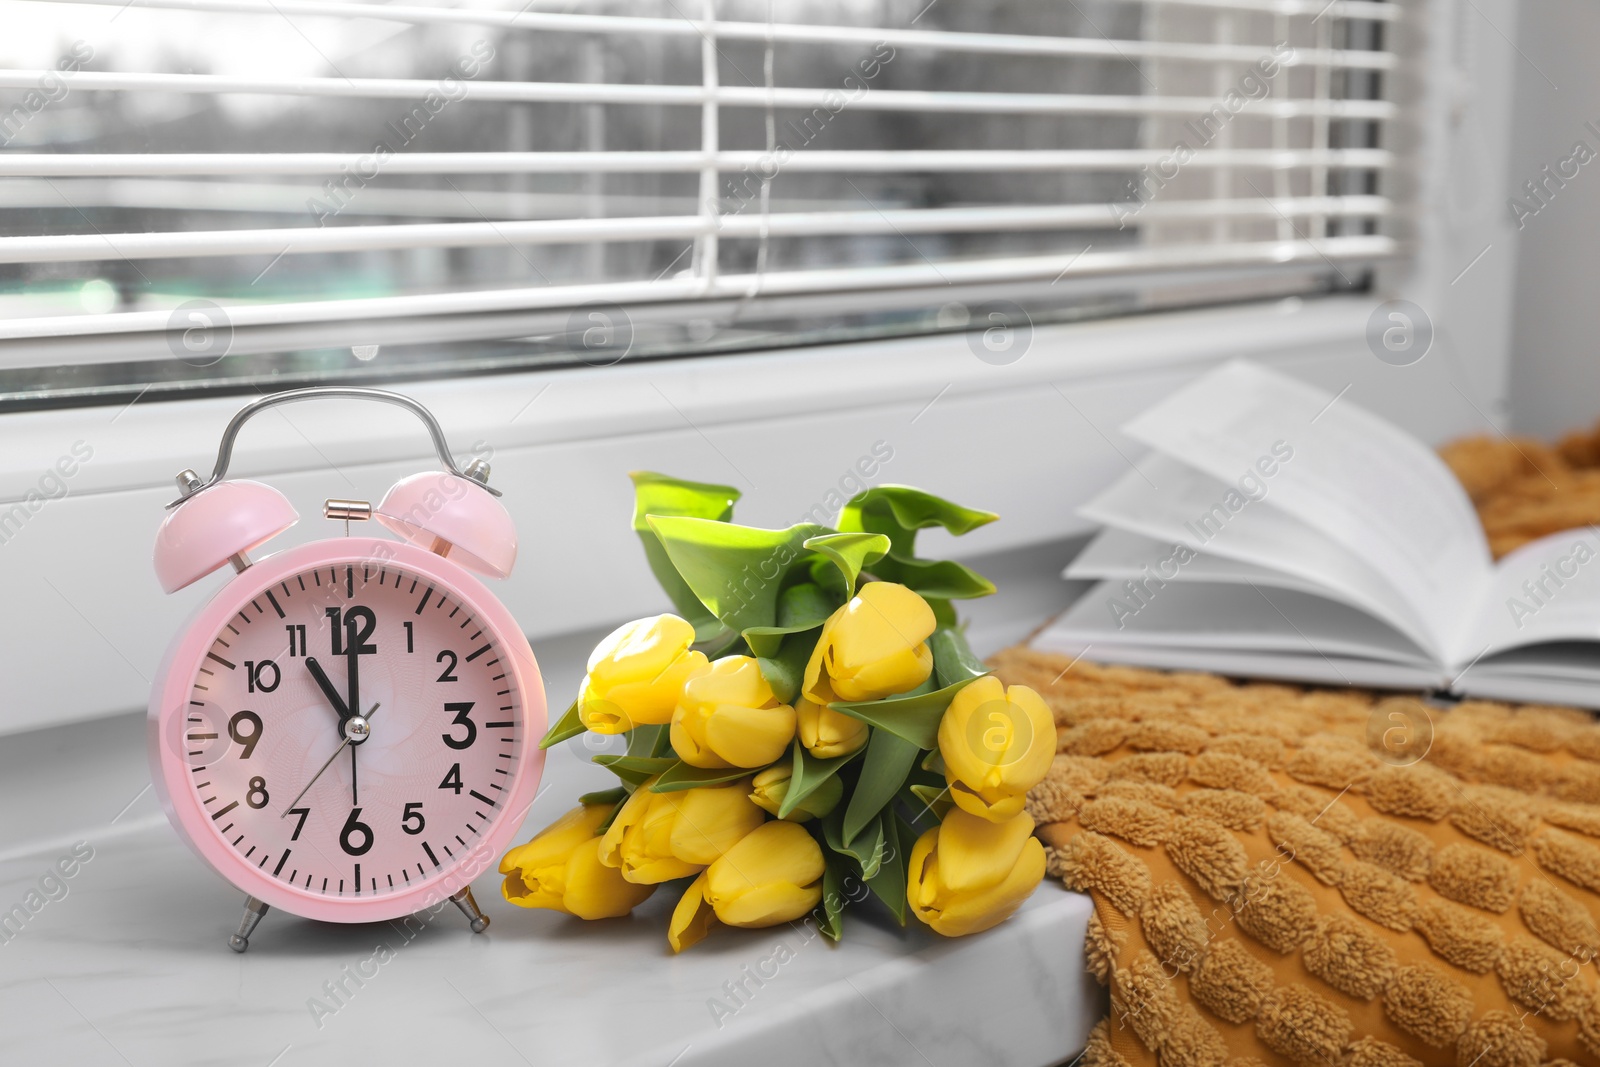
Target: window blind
<point>409,174</point>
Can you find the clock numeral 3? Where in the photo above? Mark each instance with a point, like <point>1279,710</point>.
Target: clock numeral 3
<point>462,710</point>
<point>353,826</point>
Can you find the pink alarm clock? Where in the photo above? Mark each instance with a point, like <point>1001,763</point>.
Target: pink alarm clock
<point>347,730</point>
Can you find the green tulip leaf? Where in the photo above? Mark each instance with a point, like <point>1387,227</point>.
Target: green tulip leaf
<point>889,759</point>
<point>569,725</point>
<point>934,762</point>
<point>914,716</point>
<point>653,740</point>
<point>605,823</point>
<point>737,572</point>
<point>657,494</point>
<point>801,607</point>
<point>808,774</point>
<point>850,552</point>
<point>869,848</point>
<point>604,796</point>
<point>934,579</point>
<point>889,883</point>
<point>953,659</point>
<point>899,511</point>
<point>682,776</point>
<point>635,769</point>
<point>932,799</point>
<point>943,613</point>
<point>785,671</point>
<point>833,874</point>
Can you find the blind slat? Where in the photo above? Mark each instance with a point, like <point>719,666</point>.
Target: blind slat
<point>782,33</point>
<point>306,240</point>
<point>900,100</point>
<point>99,165</point>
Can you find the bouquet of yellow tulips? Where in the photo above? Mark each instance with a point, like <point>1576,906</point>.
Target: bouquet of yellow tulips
<point>810,722</point>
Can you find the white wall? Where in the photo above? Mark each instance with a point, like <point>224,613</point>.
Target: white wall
<point>1555,372</point>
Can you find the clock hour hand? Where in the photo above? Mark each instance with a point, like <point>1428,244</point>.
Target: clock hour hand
<point>339,706</point>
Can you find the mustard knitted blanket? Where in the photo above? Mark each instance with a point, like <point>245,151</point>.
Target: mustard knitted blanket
<point>1322,878</point>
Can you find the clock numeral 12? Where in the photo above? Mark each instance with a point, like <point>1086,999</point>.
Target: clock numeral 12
<point>351,628</point>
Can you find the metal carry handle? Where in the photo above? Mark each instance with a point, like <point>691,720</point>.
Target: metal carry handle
<point>332,392</point>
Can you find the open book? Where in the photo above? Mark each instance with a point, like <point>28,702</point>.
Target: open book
<point>1276,530</point>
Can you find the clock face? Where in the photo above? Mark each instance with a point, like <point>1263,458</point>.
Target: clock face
<point>290,786</point>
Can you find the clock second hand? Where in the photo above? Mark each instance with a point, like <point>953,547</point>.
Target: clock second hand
<point>324,767</point>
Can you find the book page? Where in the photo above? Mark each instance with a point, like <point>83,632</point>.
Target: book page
<point>1239,618</point>
<point>1367,485</point>
<point>1121,555</point>
<point>1174,504</point>
<point>1545,591</point>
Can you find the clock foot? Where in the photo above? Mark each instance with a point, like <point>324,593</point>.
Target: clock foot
<point>469,908</point>
<point>253,911</point>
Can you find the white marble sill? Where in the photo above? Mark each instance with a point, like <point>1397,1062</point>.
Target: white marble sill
<point>130,966</point>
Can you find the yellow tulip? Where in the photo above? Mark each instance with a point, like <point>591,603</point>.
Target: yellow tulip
<point>660,836</point>
<point>637,673</point>
<point>773,875</point>
<point>968,874</point>
<point>729,717</point>
<point>997,744</point>
<point>560,869</point>
<point>826,733</point>
<point>873,647</point>
<point>771,786</point>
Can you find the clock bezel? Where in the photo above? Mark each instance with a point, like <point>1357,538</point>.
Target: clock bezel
<point>170,694</point>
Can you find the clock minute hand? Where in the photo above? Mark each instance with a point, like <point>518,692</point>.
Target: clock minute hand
<point>325,766</point>
<point>326,685</point>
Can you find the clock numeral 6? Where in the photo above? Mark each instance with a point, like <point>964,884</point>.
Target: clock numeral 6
<point>257,797</point>
<point>462,710</point>
<point>352,827</point>
<point>412,821</point>
<point>246,738</point>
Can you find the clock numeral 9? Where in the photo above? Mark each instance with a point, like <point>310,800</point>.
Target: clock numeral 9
<point>257,796</point>
<point>462,710</point>
<point>352,827</point>
<point>412,821</point>
<point>255,672</point>
<point>249,738</point>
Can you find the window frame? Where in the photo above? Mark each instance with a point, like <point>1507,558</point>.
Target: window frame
<point>561,459</point>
